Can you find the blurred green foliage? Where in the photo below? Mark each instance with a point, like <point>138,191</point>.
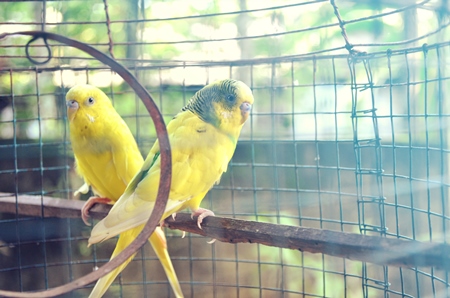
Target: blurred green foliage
<point>139,43</point>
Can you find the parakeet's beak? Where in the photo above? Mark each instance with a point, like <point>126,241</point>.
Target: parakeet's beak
<point>245,110</point>
<point>72,108</point>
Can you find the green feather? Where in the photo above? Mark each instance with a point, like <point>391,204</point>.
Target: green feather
<point>145,172</point>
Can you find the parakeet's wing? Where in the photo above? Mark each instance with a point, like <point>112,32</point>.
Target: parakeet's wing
<point>107,162</point>
<point>125,154</point>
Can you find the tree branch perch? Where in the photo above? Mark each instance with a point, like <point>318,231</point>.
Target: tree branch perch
<point>372,249</point>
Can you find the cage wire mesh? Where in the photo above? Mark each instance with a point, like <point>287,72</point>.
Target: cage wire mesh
<point>348,142</point>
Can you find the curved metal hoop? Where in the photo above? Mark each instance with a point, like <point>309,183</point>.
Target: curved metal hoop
<point>166,166</point>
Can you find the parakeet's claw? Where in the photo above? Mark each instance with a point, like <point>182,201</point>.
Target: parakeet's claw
<point>89,204</point>
<point>83,189</point>
<point>201,213</point>
<point>211,241</point>
<point>174,215</point>
<point>183,235</point>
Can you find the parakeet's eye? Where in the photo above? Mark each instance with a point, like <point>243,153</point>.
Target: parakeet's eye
<point>230,97</point>
<point>90,101</point>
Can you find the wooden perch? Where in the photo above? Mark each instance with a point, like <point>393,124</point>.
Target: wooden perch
<point>373,249</point>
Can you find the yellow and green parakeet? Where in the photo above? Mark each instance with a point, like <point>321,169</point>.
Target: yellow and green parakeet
<point>107,157</point>
<point>203,138</point>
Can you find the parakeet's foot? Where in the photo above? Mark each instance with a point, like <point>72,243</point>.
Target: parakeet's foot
<point>88,205</point>
<point>201,213</point>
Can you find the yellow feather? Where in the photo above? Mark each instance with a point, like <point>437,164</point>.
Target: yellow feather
<point>107,157</point>
<point>203,139</point>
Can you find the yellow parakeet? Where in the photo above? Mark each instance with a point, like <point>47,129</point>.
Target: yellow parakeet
<point>203,138</point>
<point>107,157</point>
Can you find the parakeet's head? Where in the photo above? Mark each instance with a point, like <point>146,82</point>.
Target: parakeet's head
<point>225,104</point>
<point>86,103</point>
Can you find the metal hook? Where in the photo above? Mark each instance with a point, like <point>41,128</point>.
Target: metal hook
<point>49,51</point>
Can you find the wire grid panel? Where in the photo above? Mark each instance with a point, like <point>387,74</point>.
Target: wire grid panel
<point>348,144</point>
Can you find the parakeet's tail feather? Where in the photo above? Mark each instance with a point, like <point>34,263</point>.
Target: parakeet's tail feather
<point>158,242</point>
<point>103,283</point>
